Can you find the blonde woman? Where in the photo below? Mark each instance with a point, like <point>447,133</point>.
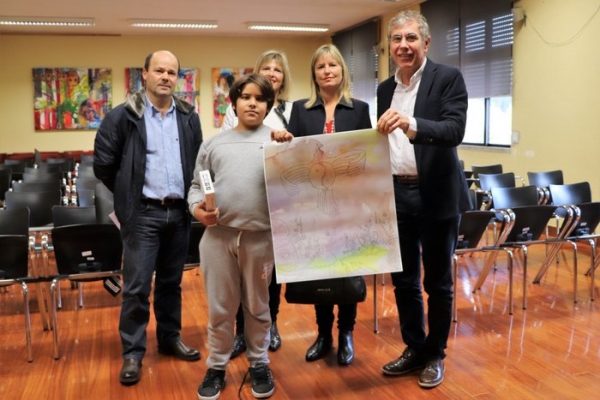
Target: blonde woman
<point>330,109</point>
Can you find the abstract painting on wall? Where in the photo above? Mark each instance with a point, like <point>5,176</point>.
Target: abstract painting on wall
<point>71,98</point>
<point>222,79</point>
<point>187,87</point>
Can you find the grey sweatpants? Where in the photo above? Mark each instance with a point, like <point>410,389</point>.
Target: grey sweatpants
<point>237,268</point>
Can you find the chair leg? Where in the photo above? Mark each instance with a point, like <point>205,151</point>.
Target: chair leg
<point>525,251</point>
<point>454,278</point>
<point>510,280</point>
<point>593,265</point>
<point>27,321</point>
<point>54,319</point>
<point>80,293</point>
<point>375,317</point>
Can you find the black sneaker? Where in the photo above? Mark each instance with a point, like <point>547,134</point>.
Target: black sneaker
<point>262,381</point>
<point>239,345</point>
<point>211,386</point>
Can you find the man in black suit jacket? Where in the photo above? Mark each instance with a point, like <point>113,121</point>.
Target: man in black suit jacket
<point>423,109</point>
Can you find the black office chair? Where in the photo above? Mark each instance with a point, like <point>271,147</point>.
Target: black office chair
<point>530,220</point>
<point>63,215</point>
<point>487,182</point>
<point>473,225</point>
<point>14,270</point>
<point>82,257</point>
<point>192,259</point>
<point>104,203</point>
<point>37,186</point>
<point>86,183</point>
<point>484,169</point>
<point>17,167</point>
<point>578,196</point>
<point>542,180</point>
<point>5,183</point>
<point>86,198</point>
<point>65,165</point>
<point>39,203</point>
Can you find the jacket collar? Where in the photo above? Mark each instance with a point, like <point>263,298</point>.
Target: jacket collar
<point>136,104</point>
<point>343,102</point>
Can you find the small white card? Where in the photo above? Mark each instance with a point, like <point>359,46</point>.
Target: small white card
<point>208,190</point>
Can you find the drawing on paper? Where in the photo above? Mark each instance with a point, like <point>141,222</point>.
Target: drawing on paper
<point>331,202</point>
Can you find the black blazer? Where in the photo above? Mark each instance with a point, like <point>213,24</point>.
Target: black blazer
<point>441,114</point>
<point>349,116</point>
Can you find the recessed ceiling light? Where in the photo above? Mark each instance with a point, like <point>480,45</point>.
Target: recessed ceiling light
<point>45,22</point>
<point>144,23</point>
<point>273,26</point>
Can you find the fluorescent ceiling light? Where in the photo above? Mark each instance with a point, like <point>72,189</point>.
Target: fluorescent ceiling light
<point>145,23</point>
<point>272,26</point>
<point>43,22</point>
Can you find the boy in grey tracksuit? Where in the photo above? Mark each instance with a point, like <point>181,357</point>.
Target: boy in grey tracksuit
<point>237,248</point>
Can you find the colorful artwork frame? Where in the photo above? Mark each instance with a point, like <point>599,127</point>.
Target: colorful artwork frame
<point>71,98</point>
<point>222,79</point>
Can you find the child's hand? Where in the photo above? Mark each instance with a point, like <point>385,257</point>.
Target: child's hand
<point>208,218</point>
<point>281,136</point>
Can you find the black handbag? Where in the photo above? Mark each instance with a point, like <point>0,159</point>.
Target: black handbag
<point>327,291</point>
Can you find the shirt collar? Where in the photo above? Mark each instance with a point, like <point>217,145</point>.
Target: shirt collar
<point>153,110</point>
<point>415,78</point>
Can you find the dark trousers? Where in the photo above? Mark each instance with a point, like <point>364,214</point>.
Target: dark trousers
<point>434,241</point>
<point>274,302</point>
<point>157,243</point>
<point>325,317</point>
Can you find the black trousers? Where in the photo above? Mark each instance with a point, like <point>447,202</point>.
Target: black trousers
<point>432,241</point>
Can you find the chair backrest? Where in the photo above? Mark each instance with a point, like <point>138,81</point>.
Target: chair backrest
<point>86,197</point>
<point>87,248</point>
<point>571,193</point>
<point>5,181</point>
<point>589,219</point>
<point>104,204</point>
<point>14,221</point>
<point>510,197</point>
<point>14,256</point>
<point>64,215</point>
<point>545,179</point>
<point>42,168</point>
<point>39,186</point>
<point>39,203</point>
<point>86,171</point>
<point>196,232</point>
<point>488,181</point>
<point>530,222</point>
<point>55,177</point>
<point>473,225</point>
<point>87,159</point>
<point>64,164</point>
<point>86,183</point>
<point>486,169</point>
<point>16,165</point>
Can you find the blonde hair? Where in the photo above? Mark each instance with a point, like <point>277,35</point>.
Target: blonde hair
<point>344,89</point>
<point>280,58</point>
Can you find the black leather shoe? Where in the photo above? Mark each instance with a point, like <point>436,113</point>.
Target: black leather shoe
<point>275,342</point>
<point>433,374</point>
<point>179,350</point>
<point>130,371</point>
<point>345,348</point>
<point>319,348</point>
<point>239,345</point>
<point>409,361</point>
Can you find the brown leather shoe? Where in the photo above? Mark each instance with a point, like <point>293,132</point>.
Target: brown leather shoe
<point>433,374</point>
<point>409,361</point>
<point>179,350</point>
<point>130,372</point>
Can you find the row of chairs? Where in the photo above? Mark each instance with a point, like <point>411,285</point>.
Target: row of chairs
<point>522,222</point>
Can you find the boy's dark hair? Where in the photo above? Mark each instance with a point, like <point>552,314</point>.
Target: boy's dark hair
<point>266,89</point>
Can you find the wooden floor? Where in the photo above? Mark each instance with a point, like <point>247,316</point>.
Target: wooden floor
<point>549,351</point>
